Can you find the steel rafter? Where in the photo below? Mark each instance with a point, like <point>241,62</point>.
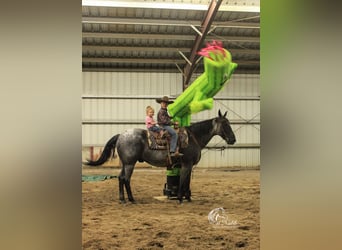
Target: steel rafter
<point>205,26</point>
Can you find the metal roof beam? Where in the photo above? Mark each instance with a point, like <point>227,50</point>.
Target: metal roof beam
<point>151,60</point>
<point>169,70</point>
<point>134,48</point>
<point>252,6</point>
<point>131,69</point>
<point>205,26</point>
<point>159,49</point>
<point>132,60</point>
<point>167,22</point>
<point>166,37</point>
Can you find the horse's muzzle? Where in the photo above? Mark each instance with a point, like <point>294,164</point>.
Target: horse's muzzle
<point>231,141</point>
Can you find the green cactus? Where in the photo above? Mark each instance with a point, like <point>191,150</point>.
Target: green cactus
<point>218,68</point>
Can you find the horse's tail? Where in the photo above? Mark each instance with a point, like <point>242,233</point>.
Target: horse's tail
<point>106,153</point>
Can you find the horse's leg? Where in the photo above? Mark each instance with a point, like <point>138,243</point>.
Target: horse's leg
<point>128,174</point>
<point>183,182</point>
<point>121,186</point>
<point>187,193</point>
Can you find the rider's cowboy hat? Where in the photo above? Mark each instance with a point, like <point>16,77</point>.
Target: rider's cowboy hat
<point>164,99</point>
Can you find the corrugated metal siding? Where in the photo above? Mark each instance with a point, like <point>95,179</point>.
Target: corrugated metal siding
<point>127,83</point>
<point>150,85</point>
<point>245,158</point>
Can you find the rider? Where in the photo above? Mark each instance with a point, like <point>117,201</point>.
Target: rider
<point>151,124</point>
<point>164,120</point>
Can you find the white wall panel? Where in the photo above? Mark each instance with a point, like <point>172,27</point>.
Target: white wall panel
<point>132,92</point>
<point>135,83</point>
<point>231,158</point>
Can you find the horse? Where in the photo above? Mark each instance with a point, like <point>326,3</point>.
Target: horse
<point>132,146</point>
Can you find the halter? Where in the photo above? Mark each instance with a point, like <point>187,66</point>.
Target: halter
<point>222,129</point>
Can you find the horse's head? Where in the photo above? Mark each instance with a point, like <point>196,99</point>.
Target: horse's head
<point>221,127</point>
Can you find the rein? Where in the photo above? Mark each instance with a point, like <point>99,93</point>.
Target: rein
<point>194,137</point>
<point>214,130</point>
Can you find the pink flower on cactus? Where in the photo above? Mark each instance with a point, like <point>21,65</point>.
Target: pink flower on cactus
<point>214,47</point>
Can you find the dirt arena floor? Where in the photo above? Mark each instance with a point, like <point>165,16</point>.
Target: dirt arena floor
<point>156,222</point>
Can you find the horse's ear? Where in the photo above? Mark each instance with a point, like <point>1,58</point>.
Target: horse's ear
<point>225,114</point>
<point>219,113</point>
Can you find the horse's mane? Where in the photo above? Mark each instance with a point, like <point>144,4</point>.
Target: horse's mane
<point>201,126</point>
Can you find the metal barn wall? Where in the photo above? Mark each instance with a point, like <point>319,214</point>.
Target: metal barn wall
<point>115,101</point>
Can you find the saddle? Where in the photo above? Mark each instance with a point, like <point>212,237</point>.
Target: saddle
<point>158,142</point>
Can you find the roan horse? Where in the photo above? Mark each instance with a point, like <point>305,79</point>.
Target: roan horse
<point>132,146</point>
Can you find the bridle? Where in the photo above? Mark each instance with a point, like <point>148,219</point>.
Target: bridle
<point>222,130</point>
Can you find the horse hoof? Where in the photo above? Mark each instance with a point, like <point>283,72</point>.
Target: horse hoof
<point>133,201</point>
<point>122,202</point>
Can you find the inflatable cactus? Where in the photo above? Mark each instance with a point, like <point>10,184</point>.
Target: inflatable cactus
<point>218,68</point>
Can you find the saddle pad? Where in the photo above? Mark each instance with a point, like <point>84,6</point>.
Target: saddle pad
<point>154,140</point>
